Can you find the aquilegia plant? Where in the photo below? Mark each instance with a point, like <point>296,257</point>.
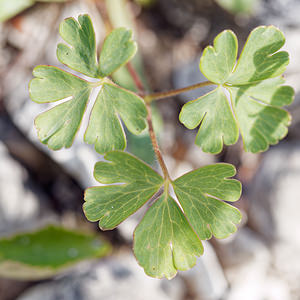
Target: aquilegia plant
<point>169,236</point>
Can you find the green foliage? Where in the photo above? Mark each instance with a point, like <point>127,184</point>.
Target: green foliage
<point>256,93</point>
<point>165,231</point>
<point>46,252</point>
<point>113,204</point>
<point>198,193</point>
<point>57,127</point>
<point>105,129</point>
<point>81,56</point>
<point>117,48</point>
<point>164,242</point>
<point>217,121</point>
<point>169,236</point>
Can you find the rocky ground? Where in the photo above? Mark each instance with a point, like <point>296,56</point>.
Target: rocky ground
<point>37,186</point>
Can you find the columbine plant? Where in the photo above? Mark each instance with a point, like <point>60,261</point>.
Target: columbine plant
<point>169,236</point>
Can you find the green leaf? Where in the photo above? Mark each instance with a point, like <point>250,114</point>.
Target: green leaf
<point>46,252</point>
<point>57,127</point>
<point>117,50</point>
<point>53,84</point>
<point>217,62</point>
<point>167,239</point>
<point>137,183</point>
<point>259,59</point>
<point>81,55</point>
<point>164,242</point>
<point>256,93</point>
<point>261,124</point>
<point>200,193</point>
<point>218,125</point>
<point>105,129</point>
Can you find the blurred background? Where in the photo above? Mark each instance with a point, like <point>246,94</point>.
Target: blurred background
<point>38,186</point>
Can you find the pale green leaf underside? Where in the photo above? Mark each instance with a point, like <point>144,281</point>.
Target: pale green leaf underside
<point>105,129</point>
<point>200,193</point>
<point>256,89</point>
<point>218,125</point>
<point>110,205</point>
<point>52,84</point>
<point>46,252</point>
<point>118,48</point>
<point>164,242</point>
<point>57,127</point>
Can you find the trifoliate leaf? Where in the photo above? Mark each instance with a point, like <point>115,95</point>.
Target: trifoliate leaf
<point>57,127</point>
<point>117,50</point>
<point>200,193</point>
<point>110,205</point>
<point>164,242</point>
<point>218,125</point>
<point>46,252</point>
<point>105,129</point>
<point>167,239</point>
<point>81,54</point>
<point>255,88</point>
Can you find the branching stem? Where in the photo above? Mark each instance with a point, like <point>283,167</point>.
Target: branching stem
<point>155,143</point>
<point>160,95</point>
<point>152,135</point>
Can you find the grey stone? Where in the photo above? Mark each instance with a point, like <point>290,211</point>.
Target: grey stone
<point>274,210</point>
<point>247,261</point>
<point>18,204</point>
<point>115,278</point>
<point>206,279</point>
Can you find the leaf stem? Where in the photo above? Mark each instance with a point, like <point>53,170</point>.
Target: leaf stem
<point>155,143</point>
<point>138,82</point>
<point>152,135</point>
<point>160,95</point>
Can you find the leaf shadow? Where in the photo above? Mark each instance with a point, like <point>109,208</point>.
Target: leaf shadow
<point>270,122</point>
<point>267,63</point>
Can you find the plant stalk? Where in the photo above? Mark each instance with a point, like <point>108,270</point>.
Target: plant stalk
<point>155,143</point>
<point>160,95</point>
<point>152,135</point>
